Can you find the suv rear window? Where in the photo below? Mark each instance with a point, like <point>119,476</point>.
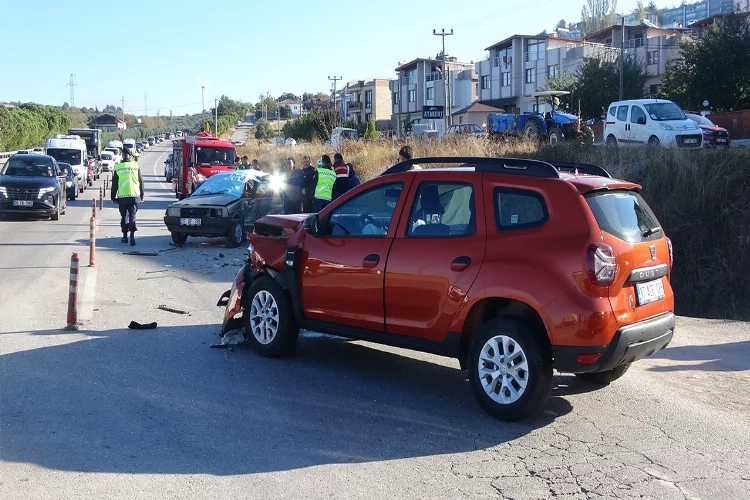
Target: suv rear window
<point>519,209</point>
<point>625,215</point>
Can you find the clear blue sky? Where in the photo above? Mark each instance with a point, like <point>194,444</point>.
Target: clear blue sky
<point>242,47</point>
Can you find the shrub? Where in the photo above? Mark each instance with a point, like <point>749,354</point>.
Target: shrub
<point>263,130</point>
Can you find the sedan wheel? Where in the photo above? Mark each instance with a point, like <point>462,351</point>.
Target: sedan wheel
<point>235,235</point>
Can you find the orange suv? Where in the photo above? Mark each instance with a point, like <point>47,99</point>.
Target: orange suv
<point>515,267</point>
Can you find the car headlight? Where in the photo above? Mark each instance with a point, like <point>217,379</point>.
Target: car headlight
<point>277,182</point>
<point>44,191</point>
<point>692,125</point>
<point>173,211</point>
<point>666,126</point>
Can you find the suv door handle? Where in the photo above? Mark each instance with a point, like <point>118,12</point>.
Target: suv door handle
<point>460,263</point>
<point>371,261</point>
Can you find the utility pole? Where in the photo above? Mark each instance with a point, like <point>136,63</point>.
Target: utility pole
<point>145,104</point>
<point>216,117</point>
<point>123,107</point>
<point>622,56</point>
<point>203,97</point>
<point>72,86</point>
<point>446,77</point>
<point>334,80</point>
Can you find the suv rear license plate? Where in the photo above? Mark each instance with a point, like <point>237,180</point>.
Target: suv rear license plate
<point>23,203</point>
<point>190,222</point>
<point>649,292</point>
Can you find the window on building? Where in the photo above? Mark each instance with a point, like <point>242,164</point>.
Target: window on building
<point>412,95</point>
<point>530,75</point>
<point>368,99</point>
<point>485,82</point>
<point>430,93</point>
<point>368,116</point>
<point>395,98</point>
<point>535,50</point>
<point>654,90</point>
<point>652,57</point>
<point>411,77</point>
<point>506,79</point>
<point>504,57</point>
<point>553,71</point>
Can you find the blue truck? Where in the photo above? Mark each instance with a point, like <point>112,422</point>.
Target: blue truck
<point>552,127</point>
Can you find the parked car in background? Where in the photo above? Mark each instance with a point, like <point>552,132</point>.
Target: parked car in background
<point>37,151</point>
<point>656,122</point>
<point>115,153</point>
<point>169,167</point>
<point>33,185</point>
<point>467,129</point>
<point>713,135</point>
<point>70,180</point>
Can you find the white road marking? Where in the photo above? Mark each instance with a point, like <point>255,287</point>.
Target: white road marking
<point>157,175</point>
<point>86,311</point>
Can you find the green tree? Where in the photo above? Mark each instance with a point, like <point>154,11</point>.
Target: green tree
<point>597,83</point>
<point>371,132</point>
<point>714,68</point>
<point>286,112</point>
<point>287,96</point>
<point>263,130</point>
<point>651,8</point>
<point>561,24</point>
<point>597,15</point>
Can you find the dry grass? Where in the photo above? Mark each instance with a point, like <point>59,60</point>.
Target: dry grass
<point>702,198</point>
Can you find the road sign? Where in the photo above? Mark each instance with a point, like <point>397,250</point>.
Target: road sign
<point>433,112</point>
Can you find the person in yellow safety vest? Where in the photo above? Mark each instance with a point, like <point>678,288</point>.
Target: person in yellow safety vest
<point>127,189</point>
<point>324,183</point>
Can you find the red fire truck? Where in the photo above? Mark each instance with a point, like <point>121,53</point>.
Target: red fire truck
<point>198,157</point>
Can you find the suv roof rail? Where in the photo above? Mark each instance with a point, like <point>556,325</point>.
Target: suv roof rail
<point>584,168</point>
<point>499,165</point>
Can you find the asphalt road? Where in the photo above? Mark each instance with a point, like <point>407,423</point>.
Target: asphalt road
<point>114,413</point>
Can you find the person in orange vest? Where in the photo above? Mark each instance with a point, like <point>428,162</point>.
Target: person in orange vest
<point>341,170</point>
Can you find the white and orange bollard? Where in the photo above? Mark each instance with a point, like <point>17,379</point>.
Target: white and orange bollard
<point>101,199</point>
<point>73,294</point>
<point>92,242</point>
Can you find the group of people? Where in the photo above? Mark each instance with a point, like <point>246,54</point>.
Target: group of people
<point>243,163</point>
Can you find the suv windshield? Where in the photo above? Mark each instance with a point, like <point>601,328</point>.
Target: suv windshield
<point>214,156</point>
<point>662,111</point>
<point>23,167</point>
<point>625,215</point>
<point>72,156</point>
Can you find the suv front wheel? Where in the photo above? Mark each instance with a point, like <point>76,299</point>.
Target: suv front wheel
<point>269,322</point>
<point>510,374</point>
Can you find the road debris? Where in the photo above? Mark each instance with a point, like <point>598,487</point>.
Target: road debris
<point>164,307</point>
<point>159,271</point>
<point>230,338</point>
<point>144,254</point>
<point>141,326</point>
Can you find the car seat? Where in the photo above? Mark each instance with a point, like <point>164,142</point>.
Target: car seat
<point>430,202</point>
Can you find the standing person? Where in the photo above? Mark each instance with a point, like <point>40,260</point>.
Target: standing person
<point>308,184</point>
<point>292,194</point>
<point>324,185</point>
<point>341,170</point>
<point>256,165</point>
<point>127,188</point>
<point>245,164</point>
<point>237,163</point>
<point>406,153</point>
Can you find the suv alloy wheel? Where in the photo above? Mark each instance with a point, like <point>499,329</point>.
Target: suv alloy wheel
<point>509,372</point>
<point>269,323</point>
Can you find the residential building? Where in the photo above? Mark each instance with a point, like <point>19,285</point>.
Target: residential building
<point>369,99</point>
<point>420,84</point>
<point>652,47</point>
<point>743,6</point>
<point>108,122</point>
<point>687,14</point>
<point>519,66</point>
<point>295,106</point>
<point>698,28</point>
<point>474,113</point>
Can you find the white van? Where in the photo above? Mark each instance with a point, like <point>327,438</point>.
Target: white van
<point>656,122</point>
<point>129,143</point>
<point>341,134</point>
<point>70,149</point>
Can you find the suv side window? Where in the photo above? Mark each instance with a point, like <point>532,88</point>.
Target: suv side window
<point>622,113</point>
<point>368,214</point>
<point>443,209</point>
<point>636,113</point>
<point>517,209</point>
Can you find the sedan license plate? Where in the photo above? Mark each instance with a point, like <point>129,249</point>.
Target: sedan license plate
<point>721,140</point>
<point>190,222</point>
<point>691,141</point>
<point>23,203</point>
<point>649,292</point>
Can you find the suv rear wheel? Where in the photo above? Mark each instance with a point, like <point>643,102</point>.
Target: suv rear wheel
<point>604,378</point>
<point>269,322</point>
<point>509,373</point>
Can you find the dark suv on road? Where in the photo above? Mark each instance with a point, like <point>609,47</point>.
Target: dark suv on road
<point>515,267</point>
<point>32,184</point>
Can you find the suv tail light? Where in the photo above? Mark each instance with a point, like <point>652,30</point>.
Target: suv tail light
<point>671,255</point>
<point>601,266</point>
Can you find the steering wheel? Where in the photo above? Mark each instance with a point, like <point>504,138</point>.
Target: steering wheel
<point>372,221</point>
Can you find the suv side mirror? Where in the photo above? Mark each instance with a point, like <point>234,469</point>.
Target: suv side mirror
<point>312,224</point>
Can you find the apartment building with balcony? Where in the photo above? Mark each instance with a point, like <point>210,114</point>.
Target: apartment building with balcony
<point>367,99</point>
<point>652,47</point>
<point>688,13</point>
<point>420,84</point>
<point>519,66</point>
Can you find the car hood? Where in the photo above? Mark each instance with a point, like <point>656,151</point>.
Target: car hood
<point>713,128</point>
<point>213,200</point>
<point>27,182</point>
